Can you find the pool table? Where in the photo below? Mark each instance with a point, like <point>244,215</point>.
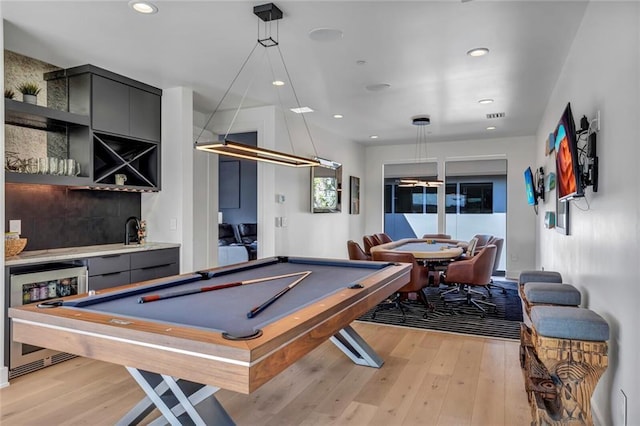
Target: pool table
<point>198,343</point>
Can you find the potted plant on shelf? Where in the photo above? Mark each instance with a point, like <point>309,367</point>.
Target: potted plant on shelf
<point>29,92</point>
<point>9,94</point>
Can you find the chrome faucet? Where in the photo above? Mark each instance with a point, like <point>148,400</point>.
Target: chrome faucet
<point>127,236</point>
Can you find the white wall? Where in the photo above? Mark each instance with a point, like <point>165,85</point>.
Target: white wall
<point>600,256</point>
<point>4,371</point>
<point>519,152</point>
<point>306,234</point>
<point>170,212</point>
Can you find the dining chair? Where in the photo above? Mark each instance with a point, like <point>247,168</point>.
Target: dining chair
<point>472,273</point>
<point>369,241</point>
<point>383,238</point>
<point>356,252</point>
<point>419,280</point>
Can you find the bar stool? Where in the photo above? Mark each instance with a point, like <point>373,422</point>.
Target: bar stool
<point>566,353</point>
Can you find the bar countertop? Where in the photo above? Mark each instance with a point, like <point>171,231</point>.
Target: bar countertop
<point>70,253</point>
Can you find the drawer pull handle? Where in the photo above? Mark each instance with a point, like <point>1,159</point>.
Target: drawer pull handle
<point>108,256</point>
<point>156,266</point>
<point>111,273</point>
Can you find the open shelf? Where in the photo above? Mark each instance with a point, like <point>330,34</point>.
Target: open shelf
<point>41,118</point>
<point>32,178</point>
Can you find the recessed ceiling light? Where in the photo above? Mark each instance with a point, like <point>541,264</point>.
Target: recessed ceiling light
<point>491,128</point>
<point>278,83</point>
<point>338,116</point>
<point>361,62</point>
<point>301,110</point>
<point>144,7</point>
<point>377,87</point>
<point>479,51</point>
<point>373,137</point>
<point>325,34</point>
<point>485,101</point>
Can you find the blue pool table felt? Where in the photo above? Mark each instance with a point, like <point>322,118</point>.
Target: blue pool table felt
<point>226,310</point>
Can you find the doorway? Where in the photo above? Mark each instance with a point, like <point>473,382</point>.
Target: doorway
<point>238,203</point>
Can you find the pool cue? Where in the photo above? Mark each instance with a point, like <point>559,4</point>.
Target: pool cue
<point>154,297</point>
<point>255,311</point>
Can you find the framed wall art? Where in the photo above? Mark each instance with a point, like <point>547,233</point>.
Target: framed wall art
<point>354,195</point>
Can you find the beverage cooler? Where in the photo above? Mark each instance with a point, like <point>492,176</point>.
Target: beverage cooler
<point>36,284</point>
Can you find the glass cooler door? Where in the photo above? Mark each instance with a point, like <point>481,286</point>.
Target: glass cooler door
<point>37,287</point>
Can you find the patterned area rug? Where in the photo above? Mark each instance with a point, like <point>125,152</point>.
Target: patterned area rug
<point>459,317</point>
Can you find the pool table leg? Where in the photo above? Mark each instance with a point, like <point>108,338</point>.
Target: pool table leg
<point>163,391</point>
<point>356,348</point>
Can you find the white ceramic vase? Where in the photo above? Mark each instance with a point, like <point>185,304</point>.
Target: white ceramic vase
<point>30,99</point>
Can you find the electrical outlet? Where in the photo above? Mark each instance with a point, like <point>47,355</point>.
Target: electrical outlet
<point>623,407</point>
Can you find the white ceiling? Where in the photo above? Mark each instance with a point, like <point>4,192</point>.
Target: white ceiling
<point>418,47</point>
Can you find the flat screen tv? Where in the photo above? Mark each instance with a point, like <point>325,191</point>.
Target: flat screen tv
<point>530,188</point>
<point>568,177</point>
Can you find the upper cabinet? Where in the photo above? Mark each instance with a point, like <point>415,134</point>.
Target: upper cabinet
<point>105,125</point>
<point>125,120</point>
<point>124,110</point>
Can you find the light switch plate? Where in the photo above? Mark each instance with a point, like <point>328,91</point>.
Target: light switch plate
<point>15,226</point>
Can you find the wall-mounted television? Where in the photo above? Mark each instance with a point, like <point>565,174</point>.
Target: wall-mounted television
<point>568,174</point>
<point>530,187</point>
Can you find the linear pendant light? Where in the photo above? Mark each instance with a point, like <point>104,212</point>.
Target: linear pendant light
<point>249,152</point>
<point>420,121</point>
<point>267,13</point>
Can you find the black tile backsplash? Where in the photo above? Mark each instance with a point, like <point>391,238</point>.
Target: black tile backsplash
<point>56,217</point>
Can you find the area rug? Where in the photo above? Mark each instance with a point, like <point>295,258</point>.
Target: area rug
<point>458,317</point>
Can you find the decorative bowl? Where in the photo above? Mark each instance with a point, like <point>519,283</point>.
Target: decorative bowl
<point>14,247</point>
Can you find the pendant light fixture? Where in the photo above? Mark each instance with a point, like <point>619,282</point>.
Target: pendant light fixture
<point>268,14</point>
<point>421,122</point>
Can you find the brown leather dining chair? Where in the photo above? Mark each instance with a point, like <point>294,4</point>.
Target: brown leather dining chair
<point>356,252</point>
<point>453,286</point>
<point>470,273</point>
<point>483,240</point>
<point>419,280</point>
<point>499,243</point>
<point>369,241</point>
<point>382,238</point>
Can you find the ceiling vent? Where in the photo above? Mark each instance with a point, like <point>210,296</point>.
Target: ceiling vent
<point>495,115</point>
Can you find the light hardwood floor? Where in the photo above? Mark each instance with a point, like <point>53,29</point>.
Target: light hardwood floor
<point>428,379</point>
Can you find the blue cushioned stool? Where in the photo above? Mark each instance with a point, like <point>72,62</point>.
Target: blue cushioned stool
<point>534,276</point>
<point>569,323</point>
<point>546,293</point>
<point>539,276</point>
<point>564,354</point>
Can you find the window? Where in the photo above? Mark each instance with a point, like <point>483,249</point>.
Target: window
<point>413,199</point>
<point>478,198</point>
<point>408,200</point>
<point>451,198</point>
<point>388,197</point>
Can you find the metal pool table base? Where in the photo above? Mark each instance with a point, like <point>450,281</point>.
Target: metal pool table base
<point>184,402</point>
